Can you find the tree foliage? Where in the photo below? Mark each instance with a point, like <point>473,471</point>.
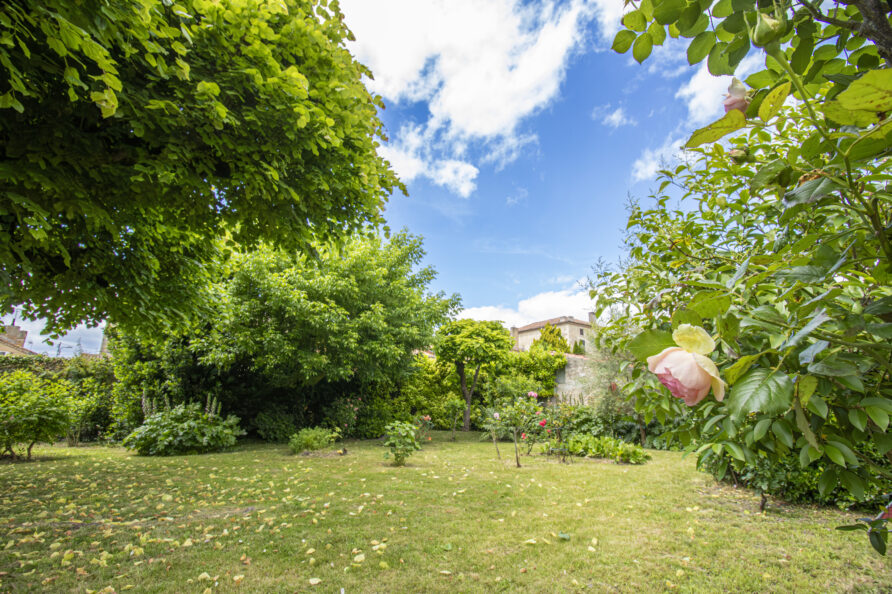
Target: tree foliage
<point>296,334</point>
<point>551,339</point>
<point>136,133</point>
<point>471,345</point>
<point>787,260</point>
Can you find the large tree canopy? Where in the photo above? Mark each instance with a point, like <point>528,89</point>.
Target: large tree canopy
<point>295,333</point>
<point>135,133</point>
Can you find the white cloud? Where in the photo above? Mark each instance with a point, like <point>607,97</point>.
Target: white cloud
<point>653,159</point>
<point>609,14</point>
<point>550,304</point>
<point>519,196</point>
<point>614,118</point>
<point>482,68</point>
<point>456,175</point>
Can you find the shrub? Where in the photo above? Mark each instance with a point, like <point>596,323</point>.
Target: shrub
<point>184,429</point>
<point>605,447</point>
<point>786,479</point>
<point>275,424</point>
<point>312,438</point>
<point>402,440</point>
<point>32,409</point>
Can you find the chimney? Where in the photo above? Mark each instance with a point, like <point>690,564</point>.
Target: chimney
<point>15,335</point>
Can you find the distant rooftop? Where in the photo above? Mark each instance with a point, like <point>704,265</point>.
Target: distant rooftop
<point>553,322</point>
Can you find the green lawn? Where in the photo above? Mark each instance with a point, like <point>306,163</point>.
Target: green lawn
<point>456,519</point>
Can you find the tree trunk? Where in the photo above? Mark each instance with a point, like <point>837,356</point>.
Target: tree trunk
<point>495,442</point>
<point>763,502</point>
<point>468,393</point>
<point>641,429</point>
<point>29,449</point>
<point>454,422</point>
<point>516,454</point>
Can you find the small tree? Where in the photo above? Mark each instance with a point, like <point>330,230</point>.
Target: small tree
<point>454,408</point>
<point>470,344</point>
<point>31,410</point>
<point>551,339</point>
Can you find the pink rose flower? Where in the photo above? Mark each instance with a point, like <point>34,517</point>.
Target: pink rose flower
<point>542,423</point>
<point>736,97</point>
<point>887,513</point>
<point>548,431</point>
<point>685,369</point>
<point>532,394</point>
<point>495,416</point>
<point>538,412</point>
<point>523,435</point>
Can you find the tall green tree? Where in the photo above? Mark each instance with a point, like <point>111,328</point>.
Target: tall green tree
<point>551,339</point>
<point>296,333</point>
<point>136,133</point>
<point>471,345</point>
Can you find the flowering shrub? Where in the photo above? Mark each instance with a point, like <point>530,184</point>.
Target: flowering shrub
<point>402,439</point>
<point>184,429</point>
<point>520,416</point>
<point>312,438</point>
<point>424,426</point>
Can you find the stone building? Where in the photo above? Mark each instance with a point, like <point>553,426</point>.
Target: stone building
<point>12,341</point>
<point>572,329</point>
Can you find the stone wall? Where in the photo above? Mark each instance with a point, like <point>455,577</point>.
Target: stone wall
<point>571,382</point>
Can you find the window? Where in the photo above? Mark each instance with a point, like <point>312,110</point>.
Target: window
<point>581,332</point>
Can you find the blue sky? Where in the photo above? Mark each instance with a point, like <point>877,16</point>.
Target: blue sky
<point>519,134</point>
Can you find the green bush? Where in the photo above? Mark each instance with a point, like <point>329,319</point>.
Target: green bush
<point>32,409</point>
<point>312,438</point>
<point>184,429</point>
<point>402,439</point>
<point>786,479</point>
<point>605,447</point>
<point>275,424</point>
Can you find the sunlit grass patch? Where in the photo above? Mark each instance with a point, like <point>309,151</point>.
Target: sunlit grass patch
<point>259,519</point>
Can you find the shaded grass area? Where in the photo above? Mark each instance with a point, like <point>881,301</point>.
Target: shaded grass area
<point>258,519</point>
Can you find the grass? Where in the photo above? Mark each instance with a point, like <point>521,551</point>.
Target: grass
<point>456,519</point>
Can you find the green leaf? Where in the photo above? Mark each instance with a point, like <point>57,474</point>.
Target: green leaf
<point>810,191</point>
<point>805,388</point>
<point>878,416</point>
<point>774,101</point>
<point>738,274</point>
<point>853,484</point>
<point>816,320</point>
<point>763,78</point>
<point>668,11</point>
<point>717,62</point>
<point>808,355</point>
<point>761,429</point>
<point>657,33</point>
<point>858,418</point>
<point>877,542</point>
<point>642,47</point>
<point>833,110</point>
<point>732,374</point>
<point>817,406</point>
<point>832,367</point>
<point>827,481</point>
<point>710,304</point>
<point>734,450</point>
<point>623,41</point>
<point>635,20</point>
<point>649,343</point>
<point>761,390</point>
<point>732,121</point>
<point>871,92</point>
<point>686,316</point>
<point>835,455</point>
<point>767,173</point>
<point>782,429</point>
<point>700,46</point>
